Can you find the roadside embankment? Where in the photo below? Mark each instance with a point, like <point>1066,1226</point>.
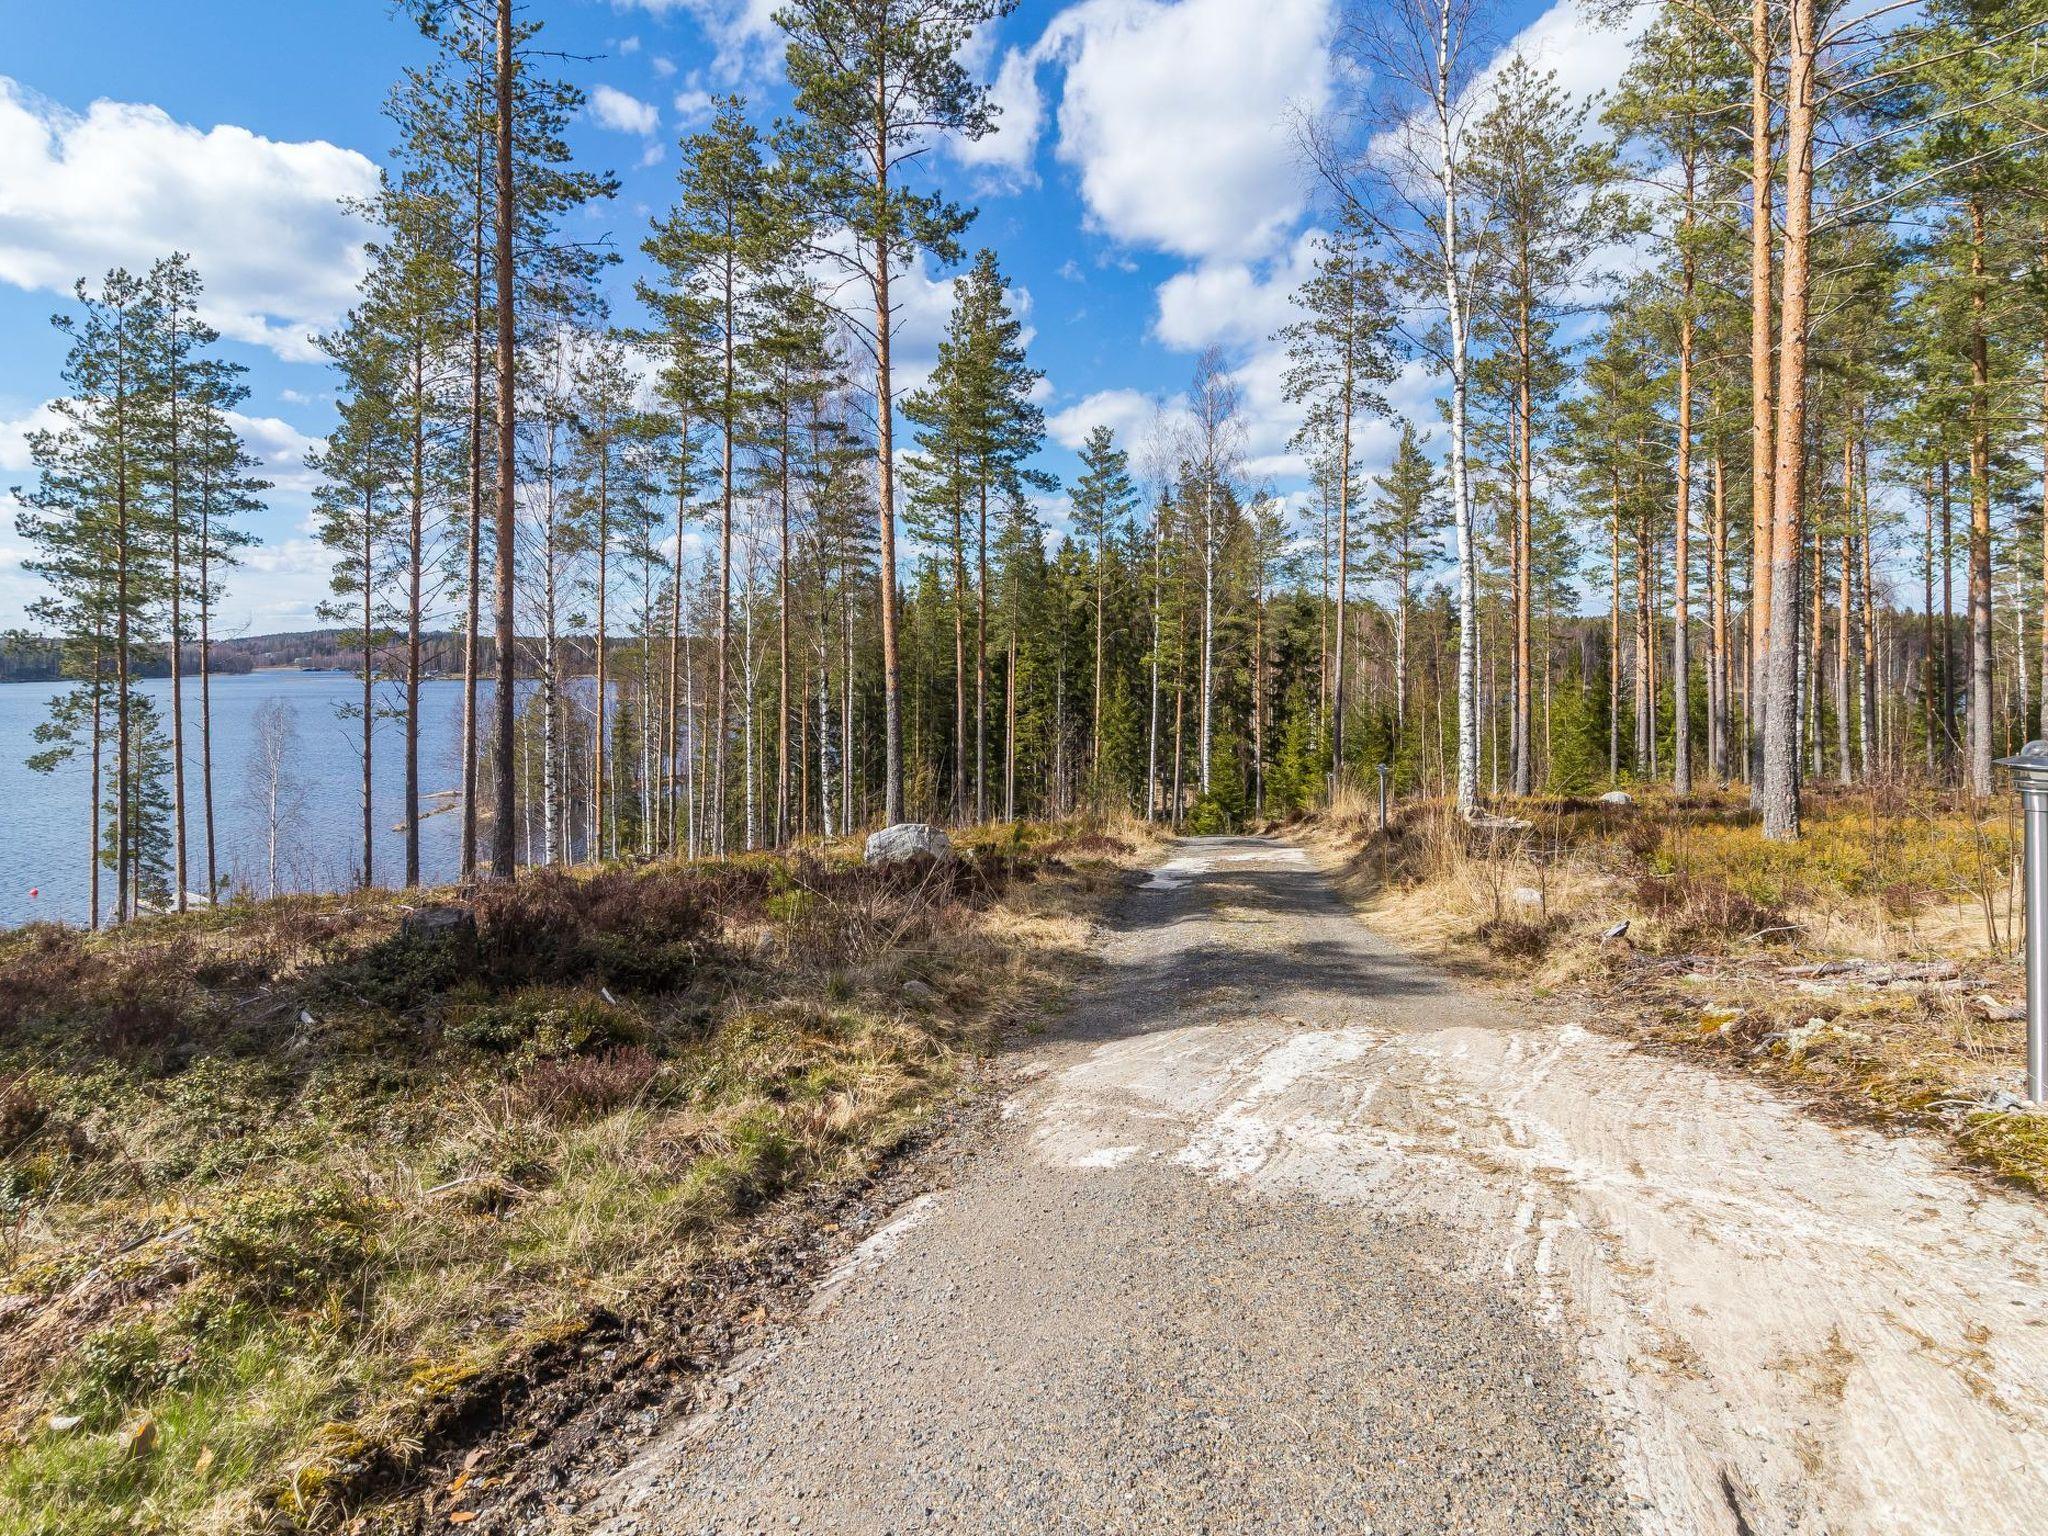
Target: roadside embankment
<point>1869,966</point>
<point>296,1191</point>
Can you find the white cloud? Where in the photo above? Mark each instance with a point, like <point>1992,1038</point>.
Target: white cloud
<point>629,45</point>
<point>1129,413</point>
<point>279,586</point>
<point>281,447</point>
<point>612,108</point>
<point>1176,117</point>
<point>124,184</point>
<point>1020,113</point>
<point>17,588</point>
<point>664,66</point>
<point>1233,301</point>
<point>694,108</point>
<point>921,303</point>
<point>14,434</point>
<point>1589,55</point>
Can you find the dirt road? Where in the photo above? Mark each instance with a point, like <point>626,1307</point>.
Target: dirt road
<point>1283,1232</point>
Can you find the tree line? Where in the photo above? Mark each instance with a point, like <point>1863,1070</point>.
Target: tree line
<point>1727,352</point>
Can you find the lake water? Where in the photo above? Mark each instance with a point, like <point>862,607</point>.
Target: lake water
<point>48,815</point>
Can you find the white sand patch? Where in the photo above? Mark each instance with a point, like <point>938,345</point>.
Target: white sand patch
<point>1106,1157</point>
<point>1853,1334</point>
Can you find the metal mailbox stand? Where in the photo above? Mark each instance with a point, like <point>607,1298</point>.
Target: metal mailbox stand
<point>2029,770</point>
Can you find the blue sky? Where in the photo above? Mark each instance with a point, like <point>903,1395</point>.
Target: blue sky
<point>1143,193</point>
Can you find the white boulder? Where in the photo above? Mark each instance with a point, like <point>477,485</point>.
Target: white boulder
<point>907,840</point>
<point>1617,797</point>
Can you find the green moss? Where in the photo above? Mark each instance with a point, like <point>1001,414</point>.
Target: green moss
<point>2012,1143</point>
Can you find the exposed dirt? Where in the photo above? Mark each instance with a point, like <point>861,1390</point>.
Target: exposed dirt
<point>1281,1229</point>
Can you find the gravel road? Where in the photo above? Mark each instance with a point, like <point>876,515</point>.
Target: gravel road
<point>1281,1231</point>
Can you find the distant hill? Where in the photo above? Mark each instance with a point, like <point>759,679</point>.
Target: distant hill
<point>35,658</point>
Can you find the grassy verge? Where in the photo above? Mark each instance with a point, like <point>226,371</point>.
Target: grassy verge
<point>1870,964</point>
<point>284,1187</point>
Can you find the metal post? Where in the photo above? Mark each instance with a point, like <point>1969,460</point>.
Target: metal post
<point>1383,797</point>
<point>2030,777</point>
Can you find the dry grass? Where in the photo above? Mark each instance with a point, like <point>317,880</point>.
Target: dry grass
<point>289,1186</point>
<point>1869,964</point>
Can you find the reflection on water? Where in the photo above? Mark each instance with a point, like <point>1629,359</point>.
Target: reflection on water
<point>48,818</point>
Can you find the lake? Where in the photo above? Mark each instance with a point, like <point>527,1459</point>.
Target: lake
<point>49,814</point>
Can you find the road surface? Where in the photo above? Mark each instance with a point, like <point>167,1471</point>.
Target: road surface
<point>1284,1232</point>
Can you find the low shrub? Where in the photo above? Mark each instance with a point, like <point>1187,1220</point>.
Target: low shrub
<point>642,930</point>
<point>542,1022</point>
<point>1700,911</point>
<point>287,1243</point>
<point>128,998</point>
<point>22,1111</point>
<point>121,1366</point>
<point>1511,938</point>
<point>586,1087</point>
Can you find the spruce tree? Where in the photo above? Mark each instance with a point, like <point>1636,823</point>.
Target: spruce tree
<point>1104,500</point>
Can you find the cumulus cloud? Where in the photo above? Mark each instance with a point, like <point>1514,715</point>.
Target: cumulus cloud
<point>1131,414</point>
<point>124,183</point>
<point>1176,118</point>
<point>279,587</point>
<point>694,108</point>
<point>1589,54</point>
<point>14,435</point>
<point>17,588</point>
<point>281,448</point>
<point>921,302</point>
<point>613,108</point>
<point>1020,113</point>
<point>1230,302</point>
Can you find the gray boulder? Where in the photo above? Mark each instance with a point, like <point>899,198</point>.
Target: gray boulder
<point>907,840</point>
<point>1617,797</point>
<point>450,923</point>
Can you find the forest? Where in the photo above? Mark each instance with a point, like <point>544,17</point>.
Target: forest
<point>1730,470</point>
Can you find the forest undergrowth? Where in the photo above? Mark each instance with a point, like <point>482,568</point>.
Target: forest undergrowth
<point>287,1187</point>
<point>1872,966</point>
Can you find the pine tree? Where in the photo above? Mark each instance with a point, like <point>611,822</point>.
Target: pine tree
<point>713,240</point>
<point>1546,212</point>
<point>877,82</point>
<point>87,521</point>
<point>413,301</point>
<point>1403,523</point>
<point>361,518</point>
<point>226,490</point>
<point>1340,365</point>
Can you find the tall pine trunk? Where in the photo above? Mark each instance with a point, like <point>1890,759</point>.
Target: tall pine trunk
<point>504,850</point>
<point>1781,741</point>
<point>1762,387</point>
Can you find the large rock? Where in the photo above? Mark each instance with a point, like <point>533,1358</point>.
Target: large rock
<point>908,840</point>
<point>1617,797</point>
<point>450,923</point>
